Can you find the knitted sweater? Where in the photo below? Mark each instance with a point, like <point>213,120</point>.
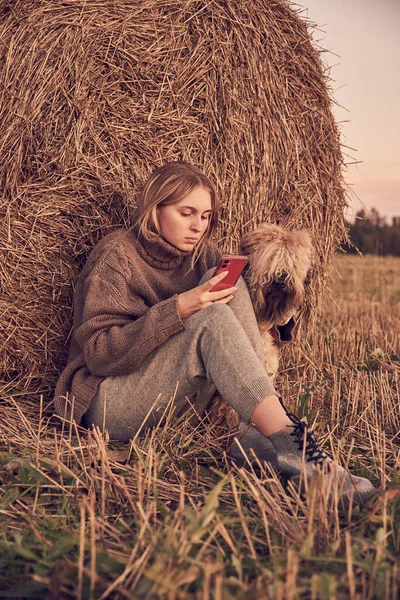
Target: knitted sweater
<point>125,306</point>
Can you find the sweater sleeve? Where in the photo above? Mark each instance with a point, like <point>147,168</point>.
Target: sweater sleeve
<point>113,337</point>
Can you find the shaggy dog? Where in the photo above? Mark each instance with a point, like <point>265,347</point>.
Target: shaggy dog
<point>277,275</point>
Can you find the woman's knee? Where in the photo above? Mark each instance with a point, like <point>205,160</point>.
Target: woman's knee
<point>216,313</point>
<point>241,302</point>
<point>241,284</point>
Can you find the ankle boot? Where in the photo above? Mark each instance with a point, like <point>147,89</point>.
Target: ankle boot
<point>251,439</point>
<point>298,455</point>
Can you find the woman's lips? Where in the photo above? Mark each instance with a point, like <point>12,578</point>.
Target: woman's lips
<point>191,240</point>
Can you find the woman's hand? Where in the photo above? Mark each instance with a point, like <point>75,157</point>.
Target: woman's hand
<point>200,297</point>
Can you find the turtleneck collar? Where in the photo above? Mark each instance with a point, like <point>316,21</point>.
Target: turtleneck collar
<point>159,253</point>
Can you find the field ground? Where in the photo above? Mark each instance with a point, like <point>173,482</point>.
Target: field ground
<point>85,518</point>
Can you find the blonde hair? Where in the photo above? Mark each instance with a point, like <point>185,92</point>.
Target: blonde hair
<point>169,184</point>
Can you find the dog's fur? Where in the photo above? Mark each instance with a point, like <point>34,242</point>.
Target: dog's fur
<point>277,275</point>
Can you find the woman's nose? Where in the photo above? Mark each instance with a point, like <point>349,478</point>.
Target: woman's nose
<point>196,224</point>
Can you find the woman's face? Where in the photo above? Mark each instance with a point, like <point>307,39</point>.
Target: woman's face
<point>184,223</point>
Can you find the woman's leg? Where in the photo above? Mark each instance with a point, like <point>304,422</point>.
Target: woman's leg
<point>269,416</point>
<point>280,437</point>
<point>242,308</point>
<point>213,351</point>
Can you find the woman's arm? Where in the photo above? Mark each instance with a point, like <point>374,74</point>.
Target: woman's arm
<point>118,331</point>
<point>116,328</point>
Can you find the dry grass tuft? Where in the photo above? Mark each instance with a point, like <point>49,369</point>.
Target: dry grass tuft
<point>94,94</point>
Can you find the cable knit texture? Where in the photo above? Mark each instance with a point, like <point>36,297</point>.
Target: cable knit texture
<point>125,306</point>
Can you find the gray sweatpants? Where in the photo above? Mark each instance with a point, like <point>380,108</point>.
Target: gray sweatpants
<point>220,349</point>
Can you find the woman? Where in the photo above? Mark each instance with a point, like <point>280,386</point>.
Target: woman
<point>148,327</point>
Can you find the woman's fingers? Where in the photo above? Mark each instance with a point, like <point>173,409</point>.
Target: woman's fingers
<point>200,297</point>
<point>207,285</point>
<point>223,300</point>
<point>214,296</point>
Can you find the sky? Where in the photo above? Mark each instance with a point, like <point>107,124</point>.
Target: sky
<point>362,38</point>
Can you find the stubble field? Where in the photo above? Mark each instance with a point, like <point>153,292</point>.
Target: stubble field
<point>166,517</point>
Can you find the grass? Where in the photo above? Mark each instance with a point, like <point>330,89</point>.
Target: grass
<point>82,517</point>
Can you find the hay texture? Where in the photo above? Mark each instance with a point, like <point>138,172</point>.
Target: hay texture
<point>96,93</point>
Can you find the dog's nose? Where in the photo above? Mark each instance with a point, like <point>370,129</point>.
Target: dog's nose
<point>280,283</point>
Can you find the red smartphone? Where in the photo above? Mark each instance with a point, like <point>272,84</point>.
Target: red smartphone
<point>234,265</point>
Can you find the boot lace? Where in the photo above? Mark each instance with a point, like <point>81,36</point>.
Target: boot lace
<point>313,453</point>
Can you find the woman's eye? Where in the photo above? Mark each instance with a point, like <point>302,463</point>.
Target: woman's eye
<point>185,214</point>
<point>205,218</point>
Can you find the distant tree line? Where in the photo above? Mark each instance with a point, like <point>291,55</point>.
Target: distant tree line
<point>371,234</point>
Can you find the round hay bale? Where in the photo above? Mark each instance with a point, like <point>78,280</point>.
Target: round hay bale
<point>96,93</point>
